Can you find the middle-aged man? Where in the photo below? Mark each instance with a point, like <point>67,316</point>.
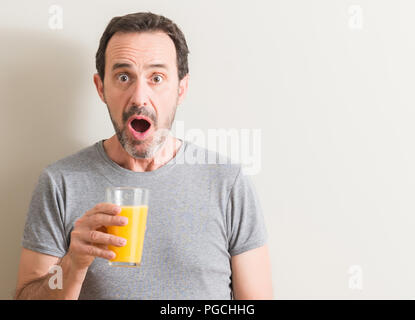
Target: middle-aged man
<point>205,236</point>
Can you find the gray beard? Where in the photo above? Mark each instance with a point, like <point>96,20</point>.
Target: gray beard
<point>158,140</point>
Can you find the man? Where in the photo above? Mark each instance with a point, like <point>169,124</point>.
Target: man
<point>205,236</point>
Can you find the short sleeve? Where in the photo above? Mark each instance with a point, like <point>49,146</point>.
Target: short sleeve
<point>246,225</point>
<point>44,230</point>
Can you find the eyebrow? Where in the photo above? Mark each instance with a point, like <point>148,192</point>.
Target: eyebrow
<point>147,66</point>
<point>121,65</point>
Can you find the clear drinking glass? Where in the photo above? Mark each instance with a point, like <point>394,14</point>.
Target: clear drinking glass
<point>134,206</point>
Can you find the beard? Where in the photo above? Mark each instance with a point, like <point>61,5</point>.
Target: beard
<point>142,149</point>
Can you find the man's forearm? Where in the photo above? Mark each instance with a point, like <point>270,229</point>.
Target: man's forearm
<point>40,289</point>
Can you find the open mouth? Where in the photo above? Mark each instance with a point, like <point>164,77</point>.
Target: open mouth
<point>140,125</point>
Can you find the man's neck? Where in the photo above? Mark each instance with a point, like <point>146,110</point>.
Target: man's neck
<point>116,153</point>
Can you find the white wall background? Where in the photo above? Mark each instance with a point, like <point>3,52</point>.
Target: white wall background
<point>329,83</point>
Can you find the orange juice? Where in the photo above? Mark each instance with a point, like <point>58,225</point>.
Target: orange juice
<point>133,232</point>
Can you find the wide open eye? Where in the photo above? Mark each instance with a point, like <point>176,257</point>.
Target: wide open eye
<point>157,78</point>
<point>123,77</point>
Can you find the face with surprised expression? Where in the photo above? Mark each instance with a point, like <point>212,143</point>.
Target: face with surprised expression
<point>141,89</point>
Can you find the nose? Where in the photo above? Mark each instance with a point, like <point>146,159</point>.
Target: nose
<point>141,94</point>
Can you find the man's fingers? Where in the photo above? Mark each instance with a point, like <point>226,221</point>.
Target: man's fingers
<point>98,237</point>
<point>101,219</point>
<point>94,251</point>
<point>104,207</point>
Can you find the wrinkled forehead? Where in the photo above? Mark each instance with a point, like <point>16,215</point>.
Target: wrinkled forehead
<point>141,47</point>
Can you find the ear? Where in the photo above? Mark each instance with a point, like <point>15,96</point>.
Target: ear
<point>183,86</point>
<point>100,86</point>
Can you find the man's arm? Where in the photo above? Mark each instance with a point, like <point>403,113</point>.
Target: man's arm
<point>89,239</point>
<point>251,275</point>
<point>33,277</point>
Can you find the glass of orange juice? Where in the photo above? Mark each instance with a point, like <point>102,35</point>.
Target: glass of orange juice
<point>134,206</point>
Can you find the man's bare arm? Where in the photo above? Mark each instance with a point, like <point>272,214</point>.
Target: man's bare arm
<point>34,277</point>
<point>89,239</point>
<point>251,275</point>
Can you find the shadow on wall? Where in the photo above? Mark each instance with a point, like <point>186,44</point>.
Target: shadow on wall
<point>40,94</point>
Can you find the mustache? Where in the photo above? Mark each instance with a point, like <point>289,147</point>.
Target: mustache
<point>134,110</point>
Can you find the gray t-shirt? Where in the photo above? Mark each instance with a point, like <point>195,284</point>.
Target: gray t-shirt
<point>200,214</point>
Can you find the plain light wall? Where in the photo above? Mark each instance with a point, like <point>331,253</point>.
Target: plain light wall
<point>328,83</point>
